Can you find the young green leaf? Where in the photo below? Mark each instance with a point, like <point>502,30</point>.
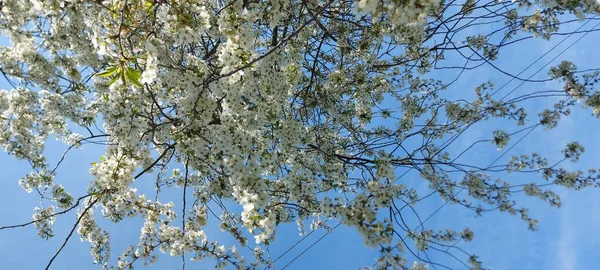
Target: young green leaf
<point>115,78</point>
<point>108,72</point>
<point>134,76</point>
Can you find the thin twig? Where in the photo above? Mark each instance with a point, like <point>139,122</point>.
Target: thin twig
<point>70,234</point>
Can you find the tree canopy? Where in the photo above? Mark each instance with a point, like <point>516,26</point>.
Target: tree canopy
<point>295,111</point>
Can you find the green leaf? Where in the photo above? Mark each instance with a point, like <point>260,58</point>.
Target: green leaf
<point>108,72</point>
<point>133,75</point>
<point>148,6</point>
<point>118,71</point>
<point>122,75</point>
<point>114,79</point>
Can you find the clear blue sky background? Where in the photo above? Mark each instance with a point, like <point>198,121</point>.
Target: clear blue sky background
<point>568,238</point>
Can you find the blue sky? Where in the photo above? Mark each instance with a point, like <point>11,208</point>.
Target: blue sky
<point>567,238</point>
